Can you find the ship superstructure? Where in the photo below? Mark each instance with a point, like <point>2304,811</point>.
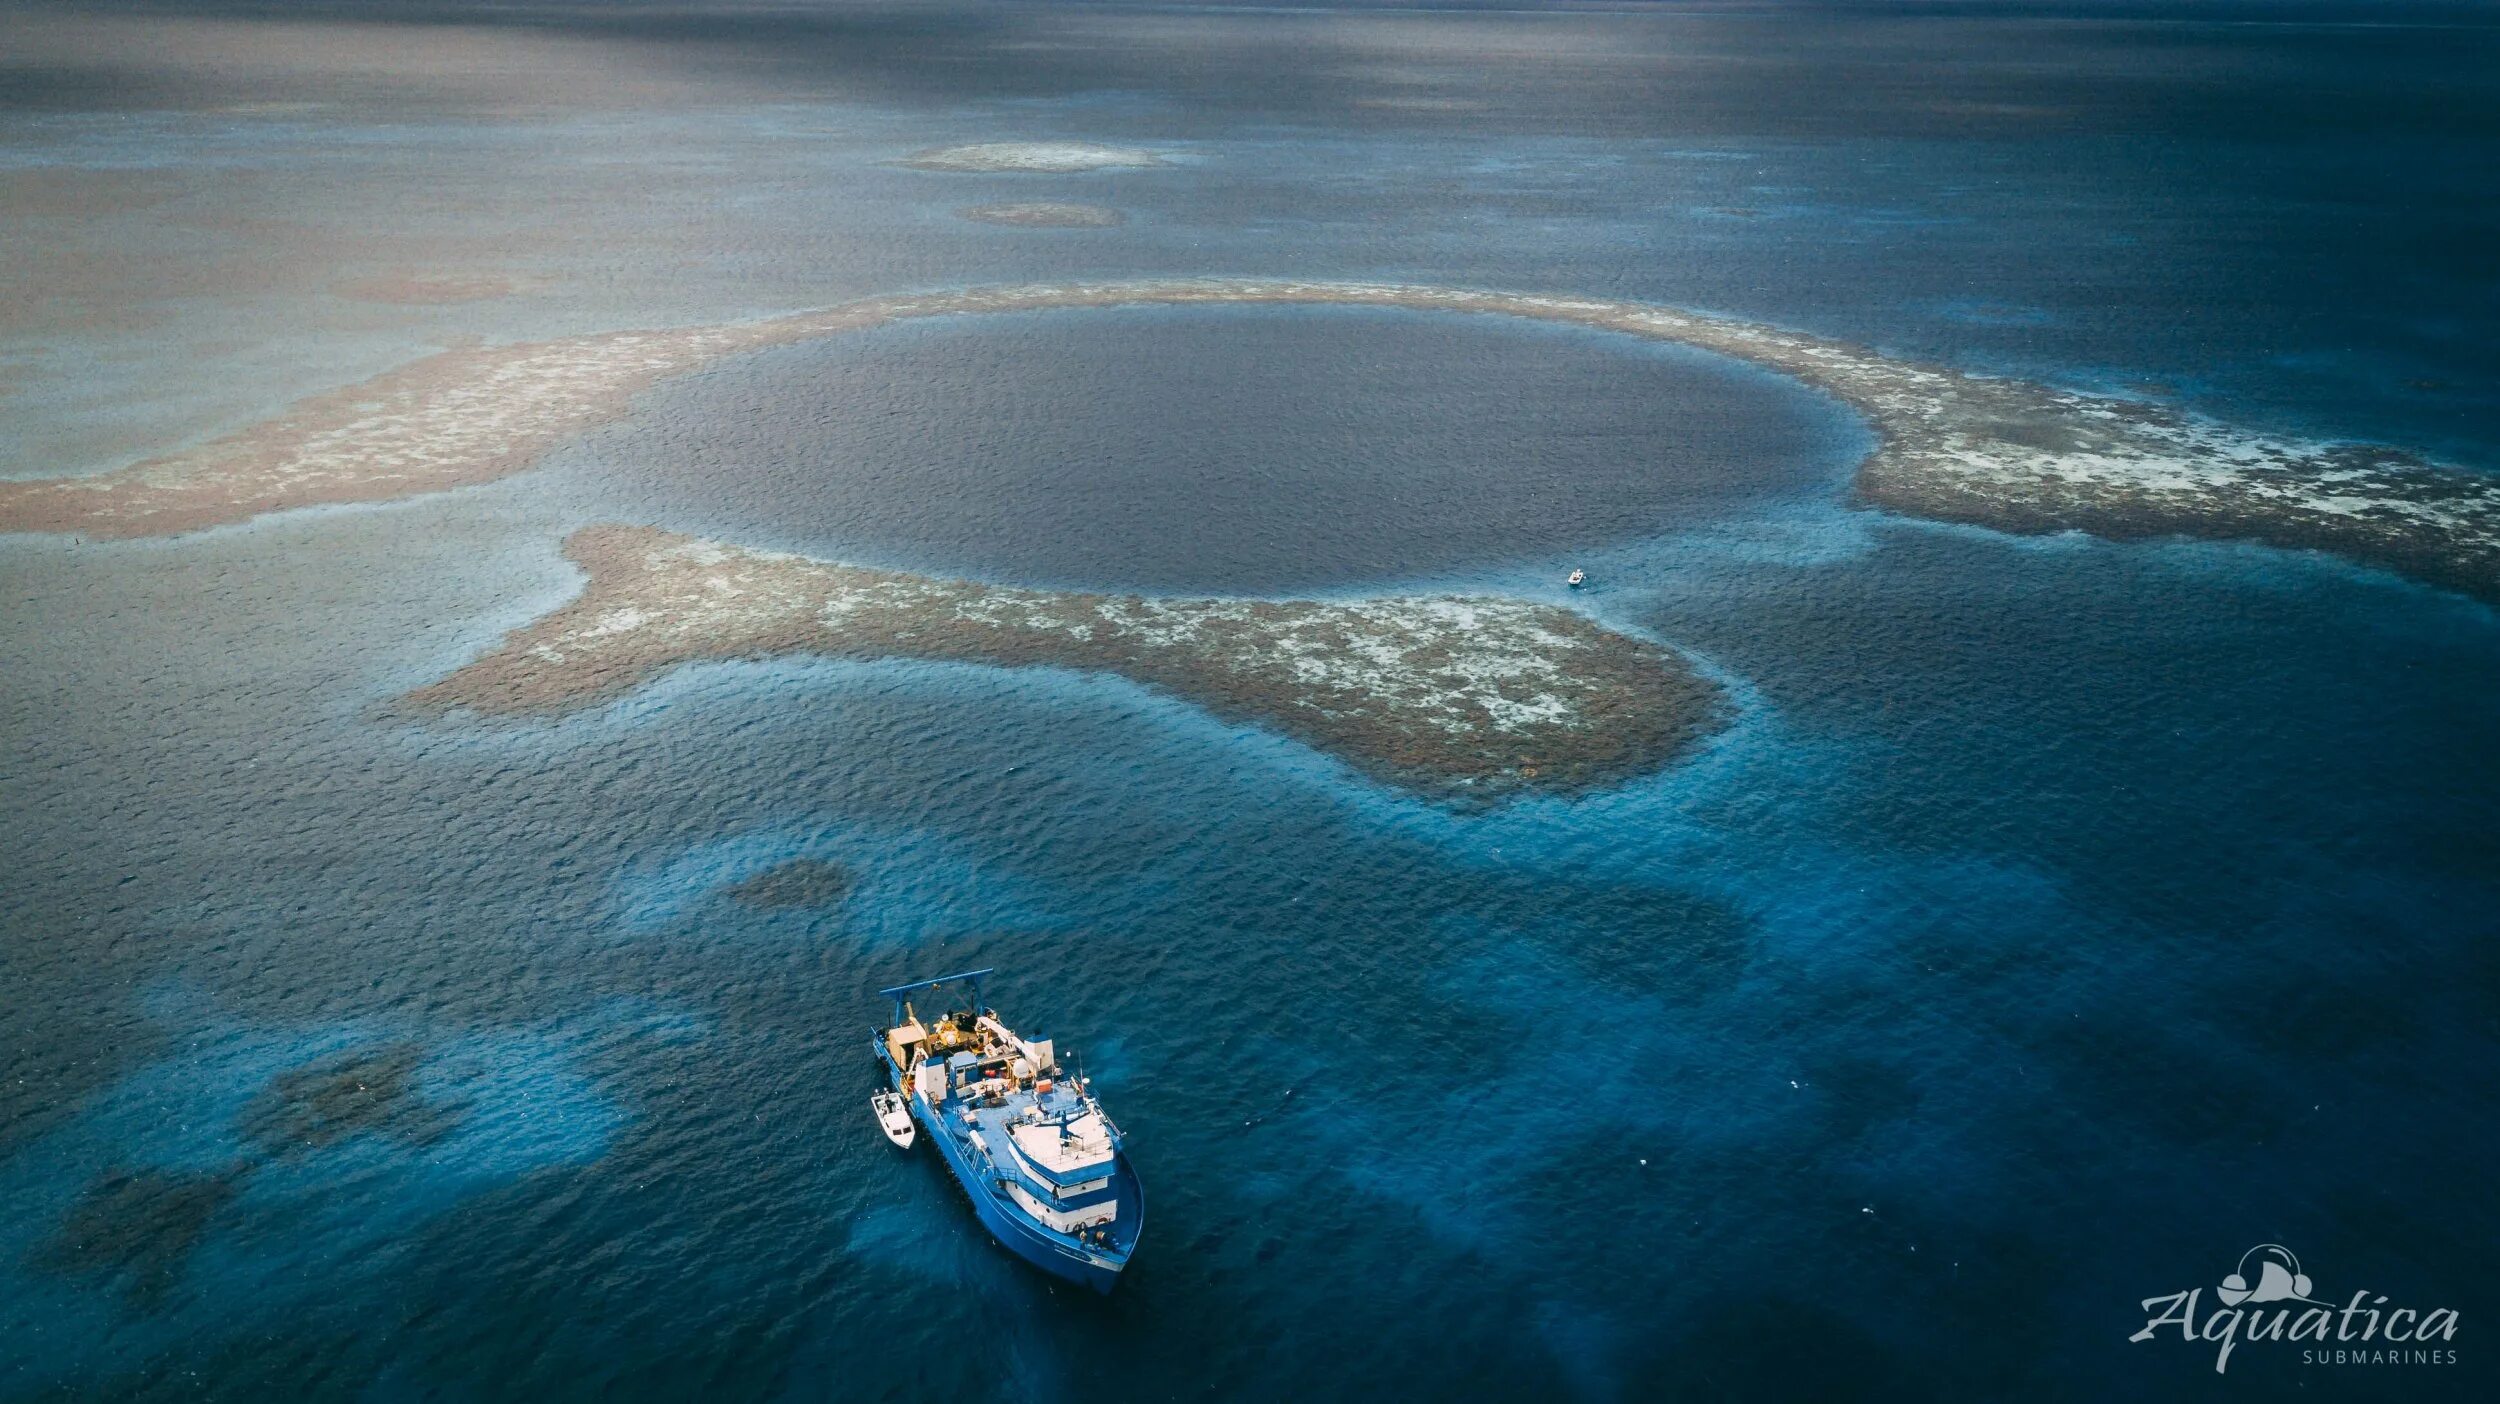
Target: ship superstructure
<point>1036,1152</point>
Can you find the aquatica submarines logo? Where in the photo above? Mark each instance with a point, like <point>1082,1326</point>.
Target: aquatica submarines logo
<point>2266,1298</point>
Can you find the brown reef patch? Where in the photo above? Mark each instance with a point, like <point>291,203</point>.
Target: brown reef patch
<point>801,882</point>
<point>1045,214</point>
<point>370,1089</point>
<point>136,1228</point>
<point>1452,696</point>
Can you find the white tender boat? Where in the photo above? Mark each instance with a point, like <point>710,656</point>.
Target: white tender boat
<point>895,1118</point>
<point>1577,579</point>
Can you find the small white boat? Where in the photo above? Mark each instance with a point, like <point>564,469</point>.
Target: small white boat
<point>1576,579</point>
<point>895,1118</point>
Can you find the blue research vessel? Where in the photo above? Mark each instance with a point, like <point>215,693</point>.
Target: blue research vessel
<point>1037,1154</point>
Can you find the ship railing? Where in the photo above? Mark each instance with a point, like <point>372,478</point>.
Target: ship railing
<point>1110,1127</point>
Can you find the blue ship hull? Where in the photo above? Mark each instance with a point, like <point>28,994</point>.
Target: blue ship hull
<point>1058,1254</point>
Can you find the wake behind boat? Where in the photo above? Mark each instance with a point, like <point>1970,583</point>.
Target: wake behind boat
<point>1039,1157</point>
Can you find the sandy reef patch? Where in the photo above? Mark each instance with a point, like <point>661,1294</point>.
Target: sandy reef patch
<point>427,289</point>
<point>1034,158</point>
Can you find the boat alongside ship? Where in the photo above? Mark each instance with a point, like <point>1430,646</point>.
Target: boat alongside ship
<point>1032,1147</point>
<point>894,1118</point>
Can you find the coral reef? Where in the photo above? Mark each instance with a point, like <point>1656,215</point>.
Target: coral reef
<point>1452,696</point>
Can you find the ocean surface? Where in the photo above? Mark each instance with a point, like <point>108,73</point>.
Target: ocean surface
<point>2055,919</point>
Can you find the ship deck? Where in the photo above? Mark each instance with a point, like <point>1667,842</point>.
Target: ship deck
<point>993,1124</point>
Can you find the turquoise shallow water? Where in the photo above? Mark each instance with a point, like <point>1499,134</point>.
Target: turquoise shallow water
<point>2054,920</point>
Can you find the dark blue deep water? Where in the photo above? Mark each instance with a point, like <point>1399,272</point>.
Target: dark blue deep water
<point>2056,919</point>
<point>1234,451</point>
